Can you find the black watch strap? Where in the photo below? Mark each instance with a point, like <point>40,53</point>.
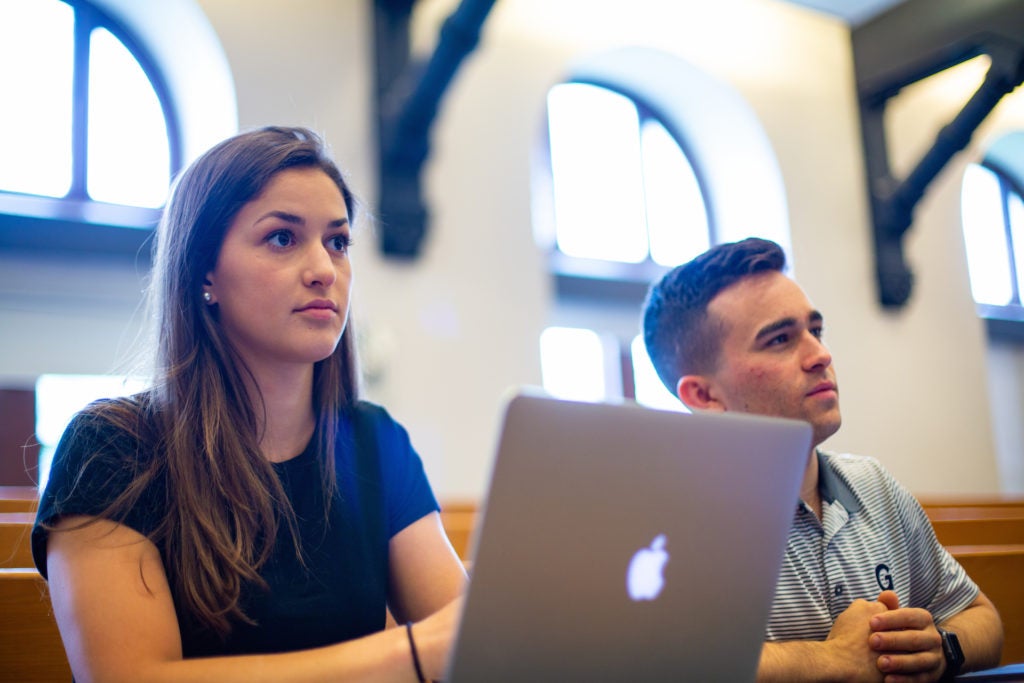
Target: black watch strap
<point>953,653</point>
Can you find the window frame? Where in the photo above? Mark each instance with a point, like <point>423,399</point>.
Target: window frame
<point>685,99</point>
<point>616,281</point>
<point>75,222</point>
<point>1005,322</point>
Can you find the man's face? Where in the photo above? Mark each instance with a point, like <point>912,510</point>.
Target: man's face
<point>772,360</point>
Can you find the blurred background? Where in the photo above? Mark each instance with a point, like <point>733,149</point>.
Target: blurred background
<point>534,183</point>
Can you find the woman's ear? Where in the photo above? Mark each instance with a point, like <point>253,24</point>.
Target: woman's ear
<point>208,296</point>
<point>697,393</point>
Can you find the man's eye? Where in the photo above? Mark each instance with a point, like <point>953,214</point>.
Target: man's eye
<point>818,332</point>
<point>778,339</point>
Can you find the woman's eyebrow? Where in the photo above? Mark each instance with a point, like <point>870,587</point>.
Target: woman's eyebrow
<point>295,219</point>
<point>281,215</point>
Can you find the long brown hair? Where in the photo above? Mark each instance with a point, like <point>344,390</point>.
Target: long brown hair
<point>224,504</point>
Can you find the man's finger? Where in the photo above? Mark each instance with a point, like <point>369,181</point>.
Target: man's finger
<point>905,641</point>
<point>889,599</point>
<point>908,617</point>
<point>917,663</point>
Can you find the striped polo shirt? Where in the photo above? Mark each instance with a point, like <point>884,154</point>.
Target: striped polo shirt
<point>873,536</point>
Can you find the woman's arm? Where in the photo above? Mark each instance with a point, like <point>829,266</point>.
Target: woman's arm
<point>113,606</point>
<point>426,578</point>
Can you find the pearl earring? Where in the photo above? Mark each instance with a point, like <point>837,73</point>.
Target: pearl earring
<point>207,297</point>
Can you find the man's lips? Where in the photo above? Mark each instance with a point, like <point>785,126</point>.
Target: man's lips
<point>822,388</point>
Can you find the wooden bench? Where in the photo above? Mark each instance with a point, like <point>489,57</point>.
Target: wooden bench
<point>999,572</point>
<point>1007,500</point>
<point>980,531</point>
<point>31,650</point>
<point>974,508</point>
<point>18,498</point>
<point>15,539</point>
<point>459,519</point>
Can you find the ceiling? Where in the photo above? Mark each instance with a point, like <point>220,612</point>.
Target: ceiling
<point>853,12</point>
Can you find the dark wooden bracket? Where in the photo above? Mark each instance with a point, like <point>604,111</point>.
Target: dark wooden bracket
<point>408,95</point>
<point>909,43</point>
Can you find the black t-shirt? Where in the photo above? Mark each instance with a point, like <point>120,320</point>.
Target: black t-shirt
<point>341,593</point>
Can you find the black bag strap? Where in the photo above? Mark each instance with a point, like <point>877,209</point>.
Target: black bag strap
<point>370,484</point>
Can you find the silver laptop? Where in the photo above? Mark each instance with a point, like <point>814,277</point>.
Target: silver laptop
<point>620,543</point>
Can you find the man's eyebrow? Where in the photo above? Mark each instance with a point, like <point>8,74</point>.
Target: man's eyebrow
<point>771,328</point>
<point>774,327</point>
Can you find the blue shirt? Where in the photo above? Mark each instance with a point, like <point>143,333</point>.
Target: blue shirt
<point>339,594</point>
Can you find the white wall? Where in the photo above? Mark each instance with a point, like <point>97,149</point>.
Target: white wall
<point>459,326</point>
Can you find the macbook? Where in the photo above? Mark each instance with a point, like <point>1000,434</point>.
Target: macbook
<point>621,543</point>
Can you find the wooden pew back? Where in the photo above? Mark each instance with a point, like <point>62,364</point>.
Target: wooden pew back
<point>999,572</point>
<point>996,500</point>
<point>980,531</point>
<point>459,519</point>
<point>31,650</point>
<point>18,498</point>
<point>15,539</point>
<point>974,512</point>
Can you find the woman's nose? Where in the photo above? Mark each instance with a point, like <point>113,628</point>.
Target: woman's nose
<point>320,268</point>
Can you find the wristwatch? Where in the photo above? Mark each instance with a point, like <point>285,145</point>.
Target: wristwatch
<point>953,653</point>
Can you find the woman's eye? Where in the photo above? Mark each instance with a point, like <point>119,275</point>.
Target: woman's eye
<point>281,238</point>
<point>340,242</point>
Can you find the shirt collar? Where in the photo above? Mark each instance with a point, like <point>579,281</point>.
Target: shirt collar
<point>833,487</point>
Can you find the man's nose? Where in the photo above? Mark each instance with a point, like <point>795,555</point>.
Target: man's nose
<point>818,355</point>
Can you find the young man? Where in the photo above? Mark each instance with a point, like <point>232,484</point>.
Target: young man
<point>866,592</point>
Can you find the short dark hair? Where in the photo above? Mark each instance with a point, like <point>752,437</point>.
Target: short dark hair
<point>680,339</point>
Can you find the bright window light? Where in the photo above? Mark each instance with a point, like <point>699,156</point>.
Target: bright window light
<point>36,42</point>
<point>572,364</point>
<point>985,237</point>
<point>129,156</point>
<point>649,389</point>
<point>59,397</point>
<point>677,219</point>
<point>1017,231</point>
<point>595,163</point>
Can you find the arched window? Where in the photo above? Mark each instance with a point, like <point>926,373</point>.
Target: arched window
<point>92,129</point>
<point>993,226</point>
<point>92,122</point>
<point>632,179</point>
<point>992,217</point>
<point>622,185</point>
<point>627,204</point>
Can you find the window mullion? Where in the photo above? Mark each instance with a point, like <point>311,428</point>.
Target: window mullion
<point>1004,198</point>
<point>80,106</point>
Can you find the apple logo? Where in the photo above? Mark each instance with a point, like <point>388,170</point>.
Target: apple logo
<point>644,579</point>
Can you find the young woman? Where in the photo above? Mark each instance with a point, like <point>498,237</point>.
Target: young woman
<point>248,504</point>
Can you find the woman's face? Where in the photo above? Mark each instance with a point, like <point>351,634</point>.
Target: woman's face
<point>282,278</point>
